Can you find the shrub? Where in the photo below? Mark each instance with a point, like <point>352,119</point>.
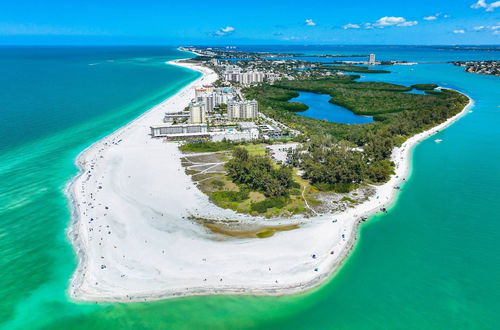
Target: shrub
<point>230,196</point>
<point>262,207</point>
<point>218,183</point>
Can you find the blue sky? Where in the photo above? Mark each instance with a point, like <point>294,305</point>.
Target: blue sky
<point>249,22</point>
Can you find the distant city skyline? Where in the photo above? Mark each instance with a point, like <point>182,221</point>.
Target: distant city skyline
<point>258,22</point>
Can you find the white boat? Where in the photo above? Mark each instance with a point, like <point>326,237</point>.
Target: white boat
<point>438,140</point>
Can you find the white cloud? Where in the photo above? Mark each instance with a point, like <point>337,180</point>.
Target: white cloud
<point>430,18</point>
<point>386,21</point>
<point>461,31</point>
<point>487,6</point>
<point>351,26</point>
<point>494,28</point>
<point>224,31</point>
<point>310,22</point>
<point>393,21</point>
<point>435,17</point>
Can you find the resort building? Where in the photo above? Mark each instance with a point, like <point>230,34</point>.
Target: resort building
<point>252,134</point>
<point>242,110</point>
<point>252,77</point>
<point>247,126</point>
<point>269,131</point>
<point>214,97</point>
<point>247,78</point>
<point>176,117</point>
<point>202,90</point>
<point>232,73</point>
<point>180,131</point>
<point>197,113</point>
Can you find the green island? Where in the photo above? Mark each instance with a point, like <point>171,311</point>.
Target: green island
<point>350,68</point>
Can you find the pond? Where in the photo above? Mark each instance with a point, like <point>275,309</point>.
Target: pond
<point>320,108</point>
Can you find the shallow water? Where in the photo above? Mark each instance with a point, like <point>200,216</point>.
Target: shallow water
<point>432,262</point>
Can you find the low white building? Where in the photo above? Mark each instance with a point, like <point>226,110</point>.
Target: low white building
<point>184,130</point>
<point>177,117</point>
<point>249,135</point>
<point>247,125</point>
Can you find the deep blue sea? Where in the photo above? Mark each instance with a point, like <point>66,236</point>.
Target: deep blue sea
<point>432,262</point>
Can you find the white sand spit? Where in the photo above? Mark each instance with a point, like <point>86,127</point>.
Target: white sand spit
<point>134,241</point>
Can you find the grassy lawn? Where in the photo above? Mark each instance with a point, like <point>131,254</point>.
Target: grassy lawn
<point>255,149</point>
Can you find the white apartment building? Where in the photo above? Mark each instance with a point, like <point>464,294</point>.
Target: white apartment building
<point>186,130</point>
<point>245,78</point>
<point>214,97</point>
<point>242,109</point>
<point>197,113</point>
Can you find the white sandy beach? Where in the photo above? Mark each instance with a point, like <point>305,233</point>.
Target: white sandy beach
<point>134,241</point>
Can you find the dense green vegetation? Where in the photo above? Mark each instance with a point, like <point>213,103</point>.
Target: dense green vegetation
<point>263,206</point>
<point>350,68</point>
<point>340,156</point>
<point>258,173</point>
<point>424,87</point>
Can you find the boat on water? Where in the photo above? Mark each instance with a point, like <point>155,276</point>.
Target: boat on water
<point>438,140</point>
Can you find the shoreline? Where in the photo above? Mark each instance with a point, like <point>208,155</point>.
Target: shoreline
<point>72,231</point>
<point>175,229</point>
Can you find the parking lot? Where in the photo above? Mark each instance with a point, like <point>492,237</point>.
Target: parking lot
<point>278,152</point>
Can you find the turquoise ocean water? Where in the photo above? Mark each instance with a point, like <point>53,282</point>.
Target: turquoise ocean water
<point>432,262</point>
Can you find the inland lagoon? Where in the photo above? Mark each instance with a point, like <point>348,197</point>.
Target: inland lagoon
<point>321,108</point>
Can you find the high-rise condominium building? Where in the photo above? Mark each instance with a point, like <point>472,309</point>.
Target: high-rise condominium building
<point>243,109</point>
<point>197,113</point>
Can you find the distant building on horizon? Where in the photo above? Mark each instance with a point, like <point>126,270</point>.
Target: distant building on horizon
<point>371,59</point>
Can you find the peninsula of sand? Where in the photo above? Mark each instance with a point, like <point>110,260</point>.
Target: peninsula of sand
<point>133,233</point>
